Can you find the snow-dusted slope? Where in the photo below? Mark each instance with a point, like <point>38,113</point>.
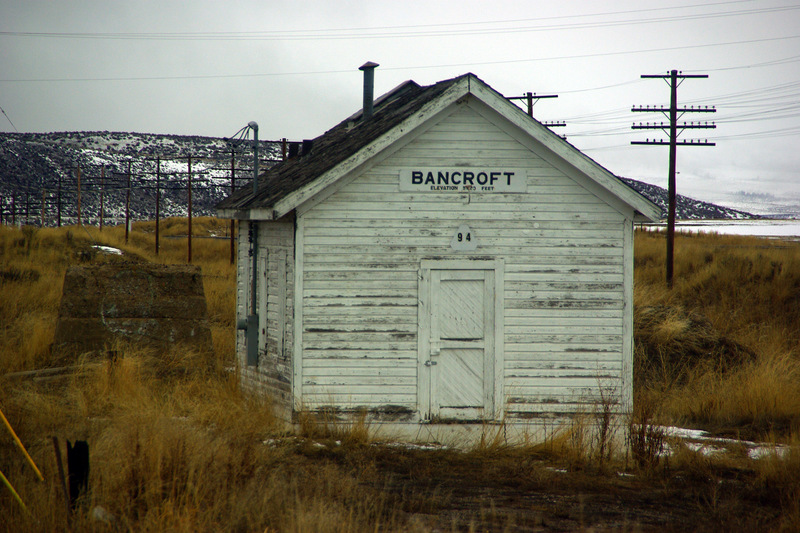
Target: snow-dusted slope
<point>686,208</point>
<point>31,163</point>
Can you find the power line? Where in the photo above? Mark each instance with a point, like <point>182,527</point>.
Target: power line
<point>418,67</point>
<point>9,119</point>
<point>408,31</point>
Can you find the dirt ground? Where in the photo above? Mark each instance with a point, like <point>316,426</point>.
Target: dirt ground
<point>515,491</point>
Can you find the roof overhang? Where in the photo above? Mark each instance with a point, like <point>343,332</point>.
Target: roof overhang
<point>563,153</point>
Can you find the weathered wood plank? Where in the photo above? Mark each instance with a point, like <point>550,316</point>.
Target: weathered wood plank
<point>539,332</point>
<point>384,274</point>
<point>324,344</point>
<point>359,300</point>
<point>317,226</point>
<point>590,242</point>
<point>356,390</point>
<point>390,327</point>
<point>317,399</point>
<point>578,350</point>
<point>360,358</point>
<point>448,206</point>
<point>552,213</point>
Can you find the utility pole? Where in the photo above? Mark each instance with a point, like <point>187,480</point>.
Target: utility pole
<point>158,197</point>
<point>78,170</point>
<point>530,97</point>
<point>128,204</point>
<point>673,114</point>
<point>59,199</point>
<point>102,191</point>
<point>189,187</point>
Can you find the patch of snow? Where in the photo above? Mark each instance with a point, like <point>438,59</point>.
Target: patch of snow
<point>708,445</point>
<point>107,249</point>
<point>764,452</point>
<point>412,446</point>
<point>683,433</point>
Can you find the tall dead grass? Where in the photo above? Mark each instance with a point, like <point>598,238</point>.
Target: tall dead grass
<point>176,446</point>
<point>721,349</point>
<point>174,443</point>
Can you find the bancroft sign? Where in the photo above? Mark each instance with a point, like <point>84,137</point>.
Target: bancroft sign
<point>472,180</point>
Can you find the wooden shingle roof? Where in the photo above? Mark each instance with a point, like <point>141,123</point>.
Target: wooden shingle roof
<point>353,141</point>
<point>335,145</point>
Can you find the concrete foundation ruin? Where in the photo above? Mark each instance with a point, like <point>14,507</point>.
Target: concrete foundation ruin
<point>157,306</point>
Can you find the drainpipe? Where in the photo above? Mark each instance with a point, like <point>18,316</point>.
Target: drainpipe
<point>252,319</point>
<point>369,88</point>
<point>250,324</point>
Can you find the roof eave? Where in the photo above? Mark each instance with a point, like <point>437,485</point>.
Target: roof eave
<point>561,148</point>
<point>292,200</point>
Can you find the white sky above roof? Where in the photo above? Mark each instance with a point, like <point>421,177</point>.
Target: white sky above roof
<point>208,68</point>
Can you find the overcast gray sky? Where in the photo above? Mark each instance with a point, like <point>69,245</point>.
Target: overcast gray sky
<point>208,67</point>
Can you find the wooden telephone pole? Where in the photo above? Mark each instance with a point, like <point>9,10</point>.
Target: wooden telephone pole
<point>673,114</point>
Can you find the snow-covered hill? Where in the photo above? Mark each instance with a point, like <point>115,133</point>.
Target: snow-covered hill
<point>686,208</point>
<point>31,164</point>
<point>37,165</point>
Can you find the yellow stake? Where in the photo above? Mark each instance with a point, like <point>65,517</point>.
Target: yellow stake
<point>21,447</point>
<point>16,496</point>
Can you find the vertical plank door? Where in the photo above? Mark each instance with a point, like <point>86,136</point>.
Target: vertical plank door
<point>461,329</point>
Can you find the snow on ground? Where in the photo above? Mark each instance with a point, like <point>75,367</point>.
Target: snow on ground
<point>107,249</point>
<point>755,228</point>
<point>700,441</point>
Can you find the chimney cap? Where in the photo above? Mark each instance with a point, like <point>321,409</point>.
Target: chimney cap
<point>368,64</point>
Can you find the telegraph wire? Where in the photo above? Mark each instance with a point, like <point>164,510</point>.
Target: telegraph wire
<point>419,67</point>
<point>374,28</point>
<point>9,119</point>
<point>381,33</point>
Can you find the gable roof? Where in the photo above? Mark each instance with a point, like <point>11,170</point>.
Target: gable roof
<point>348,144</point>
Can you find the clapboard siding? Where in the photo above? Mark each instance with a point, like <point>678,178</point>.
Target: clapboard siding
<point>273,373</point>
<point>562,249</point>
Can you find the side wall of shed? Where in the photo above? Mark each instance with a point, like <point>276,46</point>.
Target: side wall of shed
<point>275,290</point>
<point>565,281</point>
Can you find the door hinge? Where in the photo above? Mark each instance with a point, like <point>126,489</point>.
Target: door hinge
<point>430,363</point>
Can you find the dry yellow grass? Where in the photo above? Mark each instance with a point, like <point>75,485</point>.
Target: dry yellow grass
<point>721,349</point>
<point>176,446</point>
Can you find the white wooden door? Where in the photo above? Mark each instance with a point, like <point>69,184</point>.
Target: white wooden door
<point>458,348</point>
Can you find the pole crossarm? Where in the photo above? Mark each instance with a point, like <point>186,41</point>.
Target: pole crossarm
<point>662,142</point>
<point>531,99</point>
<point>662,109</point>
<point>684,126</point>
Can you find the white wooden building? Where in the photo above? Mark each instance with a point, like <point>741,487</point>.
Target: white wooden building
<point>446,259</point>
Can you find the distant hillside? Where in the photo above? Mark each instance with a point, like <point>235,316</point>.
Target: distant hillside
<point>686,208</point>
<point>33,163</point>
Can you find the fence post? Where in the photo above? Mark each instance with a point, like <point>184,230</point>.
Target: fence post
<point>128,204</point>
<point>78,169</point>
<point>44,197</point>
<point>102,193</point>
<point>158,196</point>
<point>58,194</point>
<point>190,208</point>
